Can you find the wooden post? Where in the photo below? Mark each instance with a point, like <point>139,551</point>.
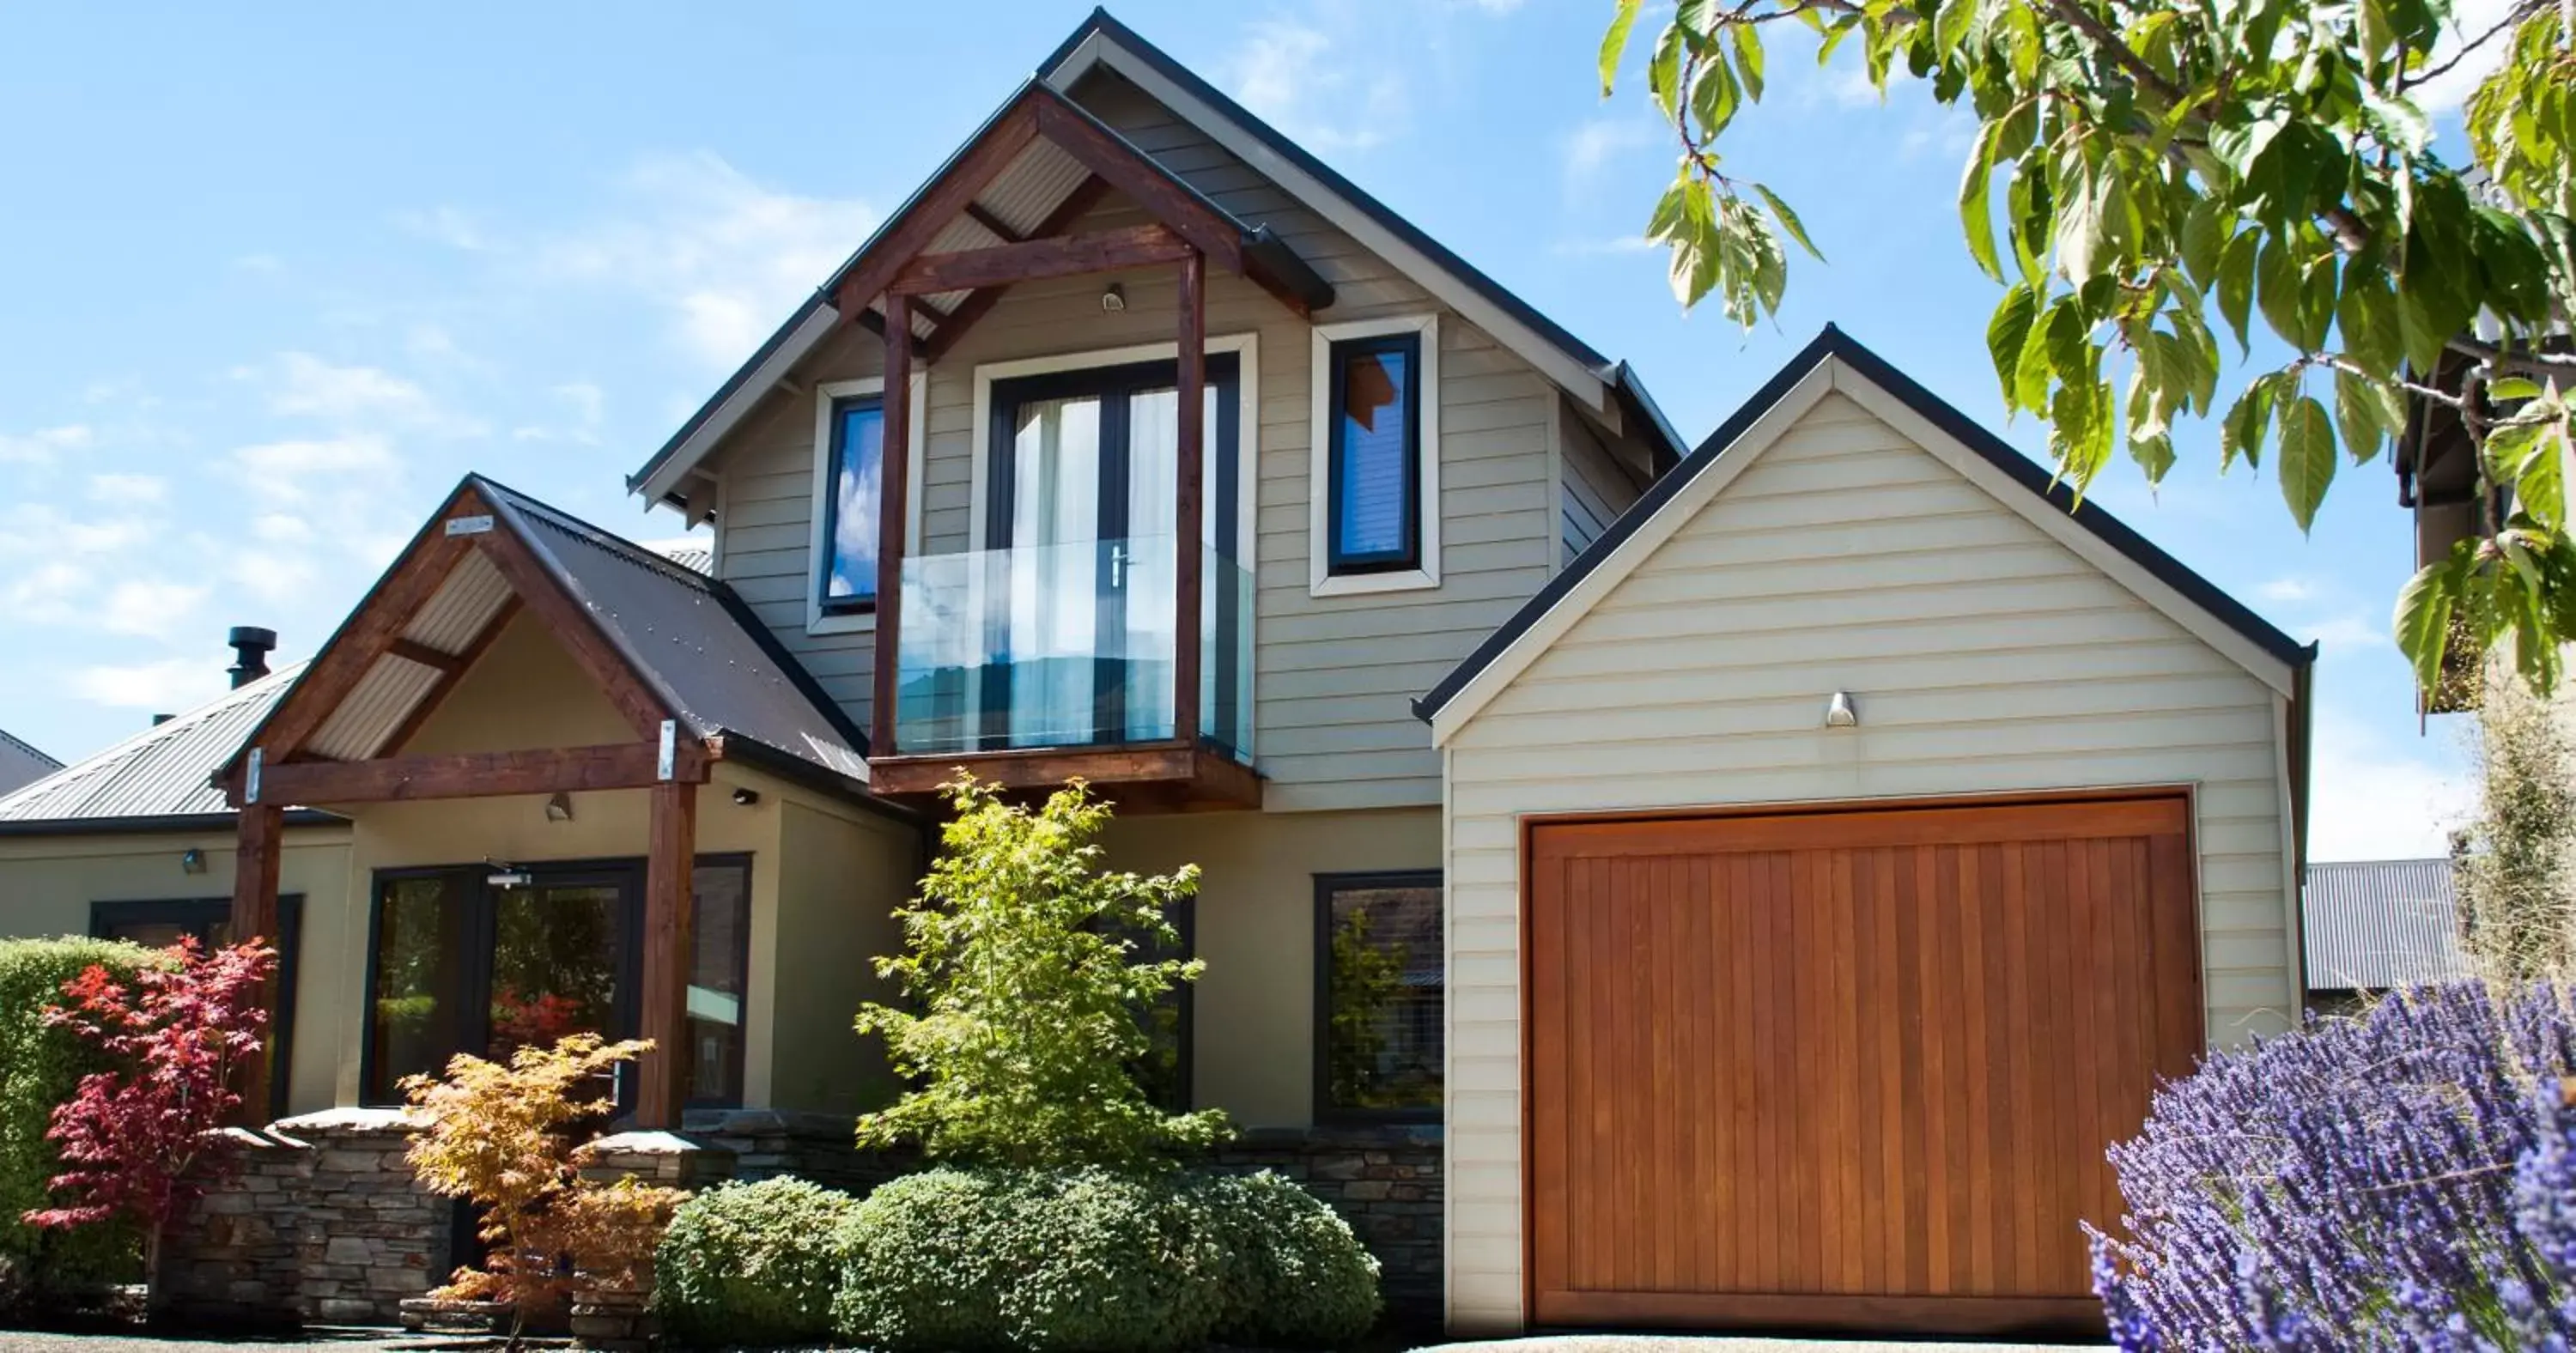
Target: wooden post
<point>1192,437</point>
<point>670,861</point>
<point>254,913</point>
<point>893,466</point>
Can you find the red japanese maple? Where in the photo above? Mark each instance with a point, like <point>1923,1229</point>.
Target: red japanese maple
<point>139,1142</point>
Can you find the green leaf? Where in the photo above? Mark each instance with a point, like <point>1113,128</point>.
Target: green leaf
<point>1714,97</point>
<point>2031,373</point>
<point>2404,125</point>
<point>2527,454</point>
<point>2007,334</point>
<point>2367,413</point>
<point>2367,316</point>
<point>2422,625</point>
<point>2509,388</point>
<point>2307,462</point>
<point>1747,44</point>
<point>1976,204</point>
<point>1664,73</point>
<point>2278,277</point>
<point>2247,421</point>
<point>2236,284</point>
<point>2080,226</point>
<point>1789,221</point>
<point>2204,235</point>
<point>2154,455</point>
<point>1614,44</point>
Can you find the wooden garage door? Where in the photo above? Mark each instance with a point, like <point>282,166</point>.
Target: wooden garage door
<point>1846,1069</point>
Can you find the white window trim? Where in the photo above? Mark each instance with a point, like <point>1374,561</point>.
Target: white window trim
<point>1247,350</point>
<point>1319,443</point>
<point>818,620</point>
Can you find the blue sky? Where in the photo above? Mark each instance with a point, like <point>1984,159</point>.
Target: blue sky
<point>276,278</point>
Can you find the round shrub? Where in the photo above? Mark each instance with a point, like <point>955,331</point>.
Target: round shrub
<point>752,1263</point>
<point>1294,1273</point>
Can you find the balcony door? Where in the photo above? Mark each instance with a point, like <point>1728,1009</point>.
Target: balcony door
<point>1083,479</point>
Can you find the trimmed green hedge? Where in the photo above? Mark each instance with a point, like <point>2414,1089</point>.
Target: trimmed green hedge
<point>39,1067</point>
<point>752,1263</point>
<point>1097,1261</point>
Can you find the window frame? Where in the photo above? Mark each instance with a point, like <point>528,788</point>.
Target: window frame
<point>1329,576</point>
<point>1340,559</point>
<point>196,912</point>
<point>824,615</point>
<point>1324,1111</point>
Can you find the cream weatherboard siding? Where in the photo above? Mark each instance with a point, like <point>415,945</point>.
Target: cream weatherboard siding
<point>1985,657</point>
<point>1333,676</point>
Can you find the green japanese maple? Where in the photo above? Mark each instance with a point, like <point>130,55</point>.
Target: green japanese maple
<point>2152,177</point>
<point>1030,978</point>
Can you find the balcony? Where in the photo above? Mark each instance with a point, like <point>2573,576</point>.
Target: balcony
<point>1034,665</point>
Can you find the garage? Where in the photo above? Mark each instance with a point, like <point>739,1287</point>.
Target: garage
<point>1838,852</point>
<point>1846,1068</point>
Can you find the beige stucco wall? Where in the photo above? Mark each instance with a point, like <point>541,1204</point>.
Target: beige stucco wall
<point>1985,656</point>
<point>1253,1016</point>
<point>47,884</point>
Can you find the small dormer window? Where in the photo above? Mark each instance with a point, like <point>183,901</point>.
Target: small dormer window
<point>857,478</point>
<point>1375,481</point>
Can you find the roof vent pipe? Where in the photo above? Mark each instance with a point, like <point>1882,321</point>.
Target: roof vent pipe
<point>251,646</point>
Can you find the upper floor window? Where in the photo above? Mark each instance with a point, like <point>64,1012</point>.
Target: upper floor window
<point>857,468</point>
<point>1375,521</point>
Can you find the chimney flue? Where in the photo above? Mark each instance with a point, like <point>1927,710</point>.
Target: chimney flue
<point>251,646</point>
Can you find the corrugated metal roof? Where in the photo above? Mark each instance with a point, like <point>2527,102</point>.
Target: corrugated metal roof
<point>21,764</point>
<point>712,662</point>
<point>689,552</point>
<point>2382,924</point>
<point>162,771</point>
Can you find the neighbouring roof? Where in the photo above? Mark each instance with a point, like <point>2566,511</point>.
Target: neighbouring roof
<point>22,764</point>
<point>2382,924</point>
<point>155,780</point>
<point>1044,176</point>
<point>689,552</point>
<point>1833,346</point>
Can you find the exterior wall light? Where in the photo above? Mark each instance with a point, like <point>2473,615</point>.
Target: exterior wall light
<point>1839,712</point>
<point>746,797</point>
<point>192,861</point>
<point>559,808</point>
<point>1114,299</point>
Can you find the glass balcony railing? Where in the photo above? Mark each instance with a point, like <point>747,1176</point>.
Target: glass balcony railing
<point>1065,645</point>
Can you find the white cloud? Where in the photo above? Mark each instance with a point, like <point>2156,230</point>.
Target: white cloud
<point>2374,801</point>
<point>276,576</point>
<point>1592,144</point>
<point>301,385</point>
<point>259,263</point>
<point>729,257</point>
<point>1623,244</point>
<point>284,466</point>
<point>586,407</point>
<point>129,488</point>
<point>2286,589</point>
<point>150,608</point>
<point>2470,20</point>
<point>41,446</point>
<point>2345,633</point>
<point>447,225</point>
<point>281,528</point>
<point>167,685</point>
<point>1318,91</point>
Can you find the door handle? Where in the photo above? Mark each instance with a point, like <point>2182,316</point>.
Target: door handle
<point>1118,566</point>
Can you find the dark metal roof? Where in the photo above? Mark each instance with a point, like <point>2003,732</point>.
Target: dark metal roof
<point>689,637</point>
<point>1834,344</point>
<point>21,763</point>
<point>156,780</point>
<point>2382,924</point>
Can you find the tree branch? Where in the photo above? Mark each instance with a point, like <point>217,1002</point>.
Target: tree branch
<point>2429,74</point>
<point>2518,362</point>
<point>2116,48</point>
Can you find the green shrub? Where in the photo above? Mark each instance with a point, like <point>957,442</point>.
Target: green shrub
<point>1294,1272</point>
<point>1097,1261</point>
<point>752,1263</point>
<point>39,1067</point>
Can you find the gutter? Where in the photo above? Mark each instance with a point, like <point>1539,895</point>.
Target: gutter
<point>144,824</point>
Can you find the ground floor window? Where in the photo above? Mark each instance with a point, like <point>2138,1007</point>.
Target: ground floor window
<point>1378,1001</point>
<point>491,958</point>
<point>162,922</point>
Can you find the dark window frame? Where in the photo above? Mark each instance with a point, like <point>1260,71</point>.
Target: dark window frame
<point>1338,561</point>
<point>1326,885</point>
<point>200,913</point>
<point>474,970</point>
<point>827,556</point>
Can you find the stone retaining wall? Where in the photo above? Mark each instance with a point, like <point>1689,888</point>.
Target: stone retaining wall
<point>324,1225</point>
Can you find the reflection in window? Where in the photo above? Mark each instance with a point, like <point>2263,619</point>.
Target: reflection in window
<point>1376,467</point>
<point>850,515</point>
<point>419,955</point>
<point>1379,941</point>
<point>555,968</point>
<point>721,945</point>
<point>160,924</point>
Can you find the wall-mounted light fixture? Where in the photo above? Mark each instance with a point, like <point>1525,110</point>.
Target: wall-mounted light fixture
<point>559,808</point>
<point>192,861</point>
<point>1839,712</point>
<point>1114,299</point>
<point>746,797</point>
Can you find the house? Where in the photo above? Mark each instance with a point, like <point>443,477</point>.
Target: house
<point>1767,872</point>
<point>2375,926</point>
<point>20,763</point>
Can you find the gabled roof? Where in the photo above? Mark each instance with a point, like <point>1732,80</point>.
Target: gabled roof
<point>156,780</point>
<point>1833,362</point>
<point>667,642</point>
<point>1026,197</point>
<point>21,763</point>
<point>2379,925</point>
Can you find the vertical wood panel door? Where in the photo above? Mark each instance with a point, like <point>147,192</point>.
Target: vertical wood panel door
<point>1847,1070</point>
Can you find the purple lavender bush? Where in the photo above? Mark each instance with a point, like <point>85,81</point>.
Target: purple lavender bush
<point>2404,1180</point>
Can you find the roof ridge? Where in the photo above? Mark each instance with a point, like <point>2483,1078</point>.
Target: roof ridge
<point>29,748</point>
<point>119,753</point>
<point>633,551</point>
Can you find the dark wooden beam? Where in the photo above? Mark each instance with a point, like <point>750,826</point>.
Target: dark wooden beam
<point>478,775</point>
<point>896,414</point>
<point>1037,260</point>
<point>1149,183</point>
<point>1002,229</point>
<point>1190,426</point>
<point>254,916</point>
<point>972,171</point>
<point>573,626</point>
<point>661,1087</point>
<point>1076,205</point>
<point>425,655</point>
<point>438,692</point>
<point>1172,773</point>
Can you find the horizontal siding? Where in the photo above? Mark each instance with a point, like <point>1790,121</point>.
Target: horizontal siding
<point>1983,656</point>
<point>1597,488</point>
